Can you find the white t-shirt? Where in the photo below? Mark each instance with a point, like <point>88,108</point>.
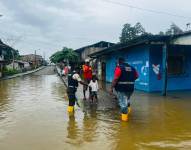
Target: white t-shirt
<point>94,86</point>
<point>76,76</point>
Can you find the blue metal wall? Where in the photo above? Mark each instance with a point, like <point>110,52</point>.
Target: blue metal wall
<point>155,83</point>
<point>178,82</point>
<point>137,57</point>
<point>145,59</point>
<point>181,82</point>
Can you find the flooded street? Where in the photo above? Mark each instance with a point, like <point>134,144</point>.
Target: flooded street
<point>33,116</point>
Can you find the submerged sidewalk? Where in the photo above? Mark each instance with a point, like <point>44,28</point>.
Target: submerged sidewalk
<point>105,100</point>
<point>141,102</point>
<point>22,74</point>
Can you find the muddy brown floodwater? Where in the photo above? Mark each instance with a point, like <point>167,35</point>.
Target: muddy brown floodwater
<point>33,116</point>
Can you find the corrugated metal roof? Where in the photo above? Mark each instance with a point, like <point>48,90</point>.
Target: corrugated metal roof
<point>145,39</point>
<point>103,43</point>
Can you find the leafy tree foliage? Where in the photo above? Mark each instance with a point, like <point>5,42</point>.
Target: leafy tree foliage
<point>66,54</point>
<point>161,33</point>
<point>57,57</point>
<point>8,52</point>
<point>130,32</point>
<point>174,29</point>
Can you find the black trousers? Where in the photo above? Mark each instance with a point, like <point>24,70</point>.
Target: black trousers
<point>71,96</point>
<point>72,99</point>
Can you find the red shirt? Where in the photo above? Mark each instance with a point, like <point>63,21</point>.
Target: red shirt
<point>87,70</point>
<point>117,73</point>
<point>66,70</point>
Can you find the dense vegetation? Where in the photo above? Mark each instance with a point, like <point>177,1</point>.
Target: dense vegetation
<point>66,54</point>
<point>130,32</point>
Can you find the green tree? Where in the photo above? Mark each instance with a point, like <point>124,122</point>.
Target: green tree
<point>57,57</point>
<point>174,30</point>
<point>161,33</point>
<point>8,52</point>
<point>130,32</point>
<point>139,30</point>
<point>66,54</point>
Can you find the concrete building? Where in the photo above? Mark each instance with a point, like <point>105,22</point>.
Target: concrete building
<point>85,51</point>
<point>20,66</point>
<point>163,62</point>
<point>36,60</point>
<point>2,63</point>
<point>3,51</point>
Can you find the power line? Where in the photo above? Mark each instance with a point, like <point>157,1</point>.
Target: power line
<point>145,9</point>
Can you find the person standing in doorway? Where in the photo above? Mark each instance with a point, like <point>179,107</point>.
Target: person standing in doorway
<point>87,73</point>
<point>123,82</point>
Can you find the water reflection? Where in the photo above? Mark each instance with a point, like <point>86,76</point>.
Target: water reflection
<point>84,130</point>
<point>90,125</point>
<point>33,115</point>
<point>72,127</point>
<point>3,95</point>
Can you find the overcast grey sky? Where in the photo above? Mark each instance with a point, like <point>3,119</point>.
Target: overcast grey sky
<point>48,25</point>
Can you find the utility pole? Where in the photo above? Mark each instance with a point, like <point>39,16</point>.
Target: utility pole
<point>44,58</point>
<point>165,70</point>
<point>13,59</point>
<point>35,58</point>
<point>1,66</point>
<point>188,26</point>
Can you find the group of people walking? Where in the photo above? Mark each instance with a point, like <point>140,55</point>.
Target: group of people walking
<point>123,83</point>
<point>89,82</point>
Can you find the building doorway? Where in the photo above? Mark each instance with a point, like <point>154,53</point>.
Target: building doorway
<point>103,68</point>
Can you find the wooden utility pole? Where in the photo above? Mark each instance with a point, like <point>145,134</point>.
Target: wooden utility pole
<point>44,58</point>
<point>165,69</point>
<point>13,61</point>
<point>35,59</point>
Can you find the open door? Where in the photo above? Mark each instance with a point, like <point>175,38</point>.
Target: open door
<point>103,66</point>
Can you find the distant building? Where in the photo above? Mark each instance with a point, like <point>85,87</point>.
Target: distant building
<point>3,61</point>
<point>36,60</point>
<point>163,62</point>
<point>20,66</point>
<point>17,65</point>
<point>85,51</point>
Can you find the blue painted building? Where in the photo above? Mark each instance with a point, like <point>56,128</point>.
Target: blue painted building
<point>163,62</point>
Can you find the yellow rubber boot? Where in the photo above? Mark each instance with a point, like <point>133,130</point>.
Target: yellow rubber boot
<point>124,117</point>
<point>70,109</point>
<point>129,110</point>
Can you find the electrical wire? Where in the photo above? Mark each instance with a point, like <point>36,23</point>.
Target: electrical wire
<point>145,9</point>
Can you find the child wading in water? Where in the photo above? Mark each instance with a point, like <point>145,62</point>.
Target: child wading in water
<point>94,89</point>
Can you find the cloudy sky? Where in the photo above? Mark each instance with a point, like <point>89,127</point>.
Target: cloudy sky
<point>48,25</point>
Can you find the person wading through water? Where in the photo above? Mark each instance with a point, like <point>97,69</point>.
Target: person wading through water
<point>87,72</point>
<point>73,81</point>
<point>123,82</point>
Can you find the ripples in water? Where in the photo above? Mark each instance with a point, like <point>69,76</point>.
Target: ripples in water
<point>33,115</point>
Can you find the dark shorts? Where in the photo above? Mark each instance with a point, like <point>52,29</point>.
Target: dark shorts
<point>87,81</point>
<point>94,94</point>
